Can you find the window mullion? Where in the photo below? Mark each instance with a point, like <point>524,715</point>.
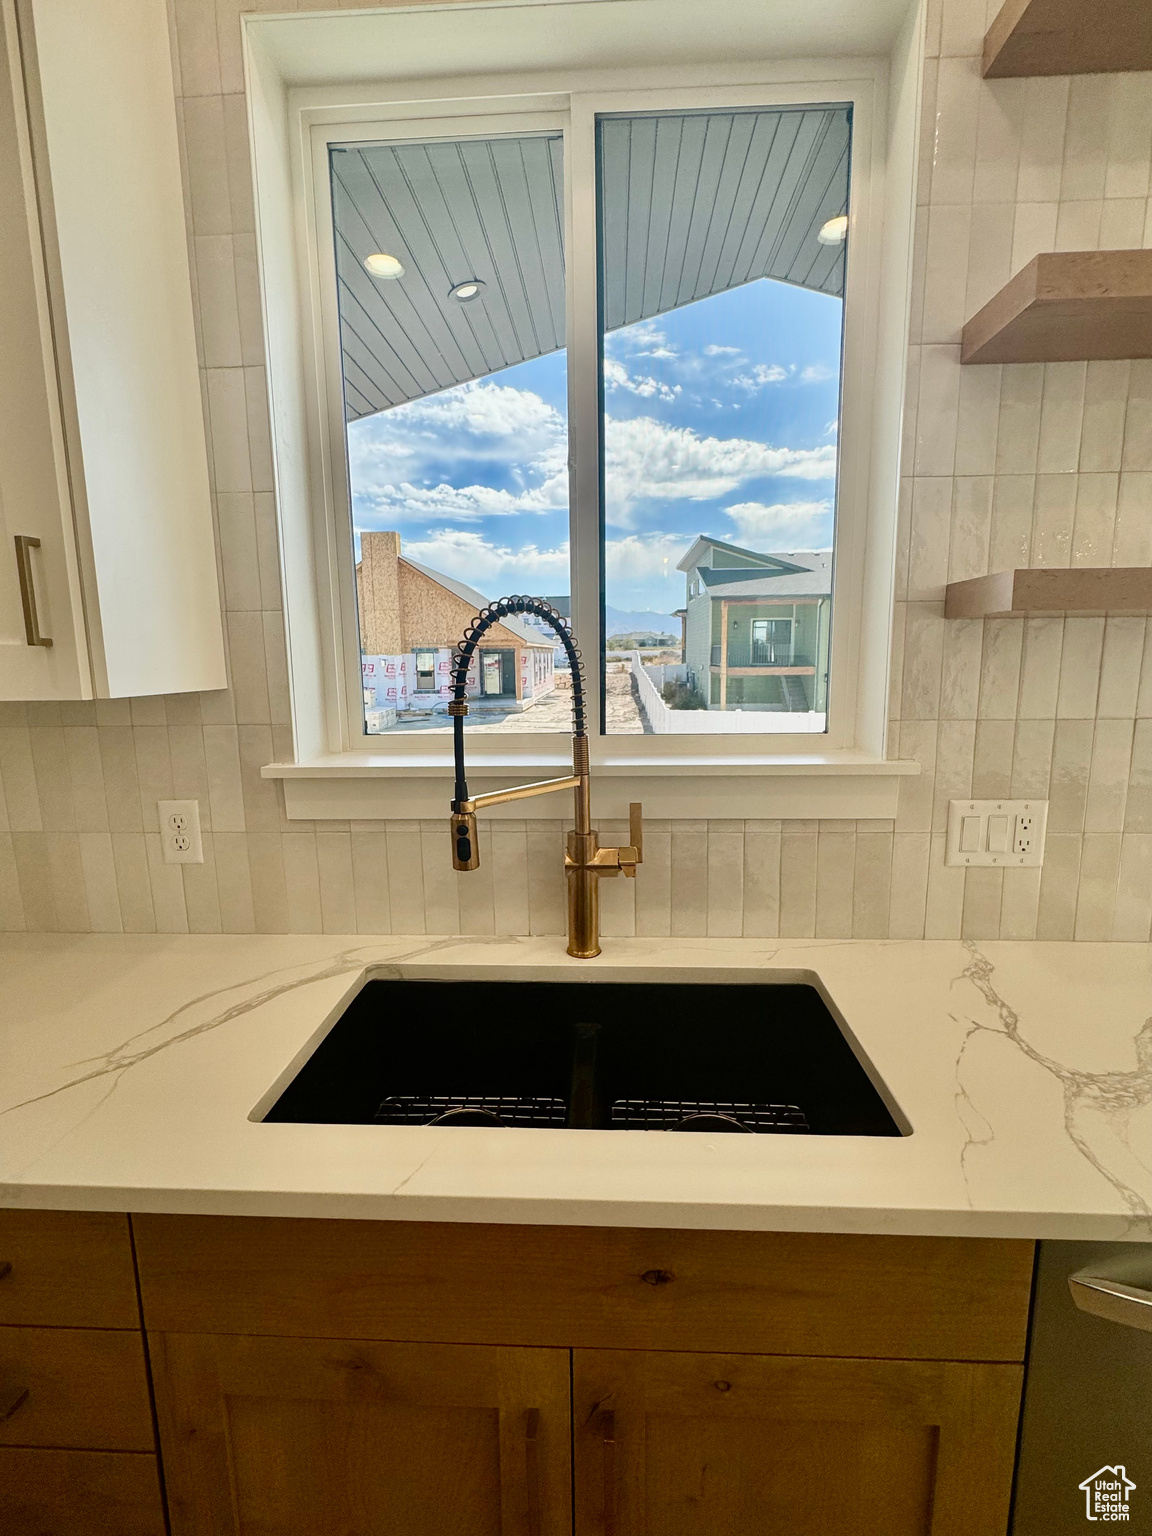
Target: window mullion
<point>584,396</point>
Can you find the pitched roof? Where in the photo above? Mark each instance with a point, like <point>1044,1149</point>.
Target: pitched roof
<point>477,600</point>
<point>811,559</point>
<point>764,584</point>
<point>706,541</point>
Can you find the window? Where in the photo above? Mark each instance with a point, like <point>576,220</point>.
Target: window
<point>710,296</point>
<point>368,478</point>
<point>722,272</point>
<point>449,266</point>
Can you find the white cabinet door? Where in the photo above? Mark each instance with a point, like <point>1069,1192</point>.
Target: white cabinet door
<point>44,598</point>
<point>103,461</point>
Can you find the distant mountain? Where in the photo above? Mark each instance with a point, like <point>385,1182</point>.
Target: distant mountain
<point>622,621</point>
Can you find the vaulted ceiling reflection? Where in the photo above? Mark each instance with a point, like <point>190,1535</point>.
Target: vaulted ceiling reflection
<point>713,201</point>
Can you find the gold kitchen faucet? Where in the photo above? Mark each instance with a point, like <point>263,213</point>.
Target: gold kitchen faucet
<point>585,862</point>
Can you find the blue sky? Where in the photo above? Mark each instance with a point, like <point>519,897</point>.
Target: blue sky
<point>720,418</point>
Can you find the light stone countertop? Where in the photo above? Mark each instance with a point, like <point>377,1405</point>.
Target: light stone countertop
<point>131,1067</point>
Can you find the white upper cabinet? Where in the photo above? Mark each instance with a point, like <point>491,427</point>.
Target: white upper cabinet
<point>106,539</point>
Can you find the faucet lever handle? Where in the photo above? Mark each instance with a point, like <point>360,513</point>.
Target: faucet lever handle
<point>636,829</point>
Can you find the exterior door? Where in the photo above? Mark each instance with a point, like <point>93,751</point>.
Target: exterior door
<point>494,669</point>
<point>771,642</point>
<point>746,1445</point>
<point>315,1437</point>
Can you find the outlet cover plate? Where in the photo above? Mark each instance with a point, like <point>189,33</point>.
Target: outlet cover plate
<point>968,841</point>
<point>180,831</point>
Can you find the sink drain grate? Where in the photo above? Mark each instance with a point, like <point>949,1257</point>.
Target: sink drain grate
<point>418,1109</point>
<point>664,1114</point>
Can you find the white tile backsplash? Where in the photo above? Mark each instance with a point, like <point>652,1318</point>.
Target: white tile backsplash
<point>1050,465</point>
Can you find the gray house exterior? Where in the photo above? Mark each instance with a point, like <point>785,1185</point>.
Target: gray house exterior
<point>756,626</point>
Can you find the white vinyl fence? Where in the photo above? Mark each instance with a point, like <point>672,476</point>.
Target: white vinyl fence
<point>663,721</point>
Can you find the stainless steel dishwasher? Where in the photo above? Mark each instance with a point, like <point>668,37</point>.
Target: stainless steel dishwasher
<point>1086,1430</point>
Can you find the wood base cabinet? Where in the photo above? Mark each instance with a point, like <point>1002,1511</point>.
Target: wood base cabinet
<point>606,1382</point>
<point>77,1445</point>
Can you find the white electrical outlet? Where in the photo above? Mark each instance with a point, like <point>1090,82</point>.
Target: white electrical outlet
<point>1001,833</point>
<point>180,831</point>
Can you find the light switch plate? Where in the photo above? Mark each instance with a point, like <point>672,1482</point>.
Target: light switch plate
<point>1005,834</point>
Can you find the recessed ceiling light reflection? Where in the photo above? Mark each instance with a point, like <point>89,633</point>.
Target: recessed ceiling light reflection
<point>380,264</point>
<point>835,231</point>
<point>471,288</point>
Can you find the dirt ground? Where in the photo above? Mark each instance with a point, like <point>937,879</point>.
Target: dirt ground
<point>552,713</point>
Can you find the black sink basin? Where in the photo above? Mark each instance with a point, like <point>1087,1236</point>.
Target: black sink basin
<point>697,1056</point>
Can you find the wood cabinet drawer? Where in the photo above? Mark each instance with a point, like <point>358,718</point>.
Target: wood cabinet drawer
<point>68,1269</point>
<point>86,1387</point>
<point>754,1292</point>
<point>79,1493</point>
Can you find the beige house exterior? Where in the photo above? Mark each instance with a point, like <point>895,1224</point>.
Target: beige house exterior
<point>414,617</point>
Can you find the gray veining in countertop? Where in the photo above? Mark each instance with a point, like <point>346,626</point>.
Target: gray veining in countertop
<point>132,1067</point>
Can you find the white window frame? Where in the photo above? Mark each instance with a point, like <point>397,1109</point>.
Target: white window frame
<point>327,718</point>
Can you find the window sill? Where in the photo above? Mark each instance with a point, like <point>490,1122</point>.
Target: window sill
<point>377,786</point>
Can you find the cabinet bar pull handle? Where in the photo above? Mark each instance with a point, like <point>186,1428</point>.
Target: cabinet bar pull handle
<point>25,543</point>
<point>532,1468</point>
<point>11,1398</point>
<point>608,1426</point>
<point>1130,1305</point>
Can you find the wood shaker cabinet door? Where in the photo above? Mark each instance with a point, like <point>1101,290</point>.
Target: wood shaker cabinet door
<point>747,1445</point>
<point>274,1437</point>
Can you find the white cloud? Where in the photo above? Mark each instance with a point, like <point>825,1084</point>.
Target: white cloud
<point>641,557</point>
<point>646,333</point>
<point>762,373</point>
<point>428,462</point>
<point>492,568</point>
<point>495,568</point>
<point>645,459</point>
<point>660,352</point>
<point>497,410</point>
<point>785,525</point>
<point>832,428</point>
<point>384,505</point>
<point>816,373</point>
<point>402,461</point>
<point>616,376</point>
<point>712,350</point>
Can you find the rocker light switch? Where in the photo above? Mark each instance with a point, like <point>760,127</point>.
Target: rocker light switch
<point>998,834</point>
<point>970,834</point>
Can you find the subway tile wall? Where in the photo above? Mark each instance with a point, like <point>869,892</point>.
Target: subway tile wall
<point>1044,465</point>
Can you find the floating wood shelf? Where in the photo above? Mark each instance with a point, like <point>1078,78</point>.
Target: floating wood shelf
<point>1119,589</point>
<point>1069,37</point>
<point>1067,306</point>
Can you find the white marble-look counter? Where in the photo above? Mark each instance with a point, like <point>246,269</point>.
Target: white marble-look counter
<point>131,1068</point>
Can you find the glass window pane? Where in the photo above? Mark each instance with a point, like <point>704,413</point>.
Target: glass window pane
<point>450,278</point>
<point>722,261</point>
